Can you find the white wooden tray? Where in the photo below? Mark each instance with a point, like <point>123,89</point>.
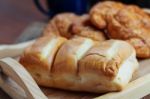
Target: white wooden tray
<point>18,83</point>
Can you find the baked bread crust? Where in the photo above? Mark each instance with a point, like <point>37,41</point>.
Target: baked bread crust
<point>68,25</point>
<point>106,58</point>
<point>83,27</point>
<point>61,24</point>
<point>38,58</point>
<point>81,65</point>
<point>98,13</point>
<point>66,60</point>
<point>131,24</point>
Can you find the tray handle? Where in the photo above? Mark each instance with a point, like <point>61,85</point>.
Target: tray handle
<point>13,72</point>
<point>13,50</point>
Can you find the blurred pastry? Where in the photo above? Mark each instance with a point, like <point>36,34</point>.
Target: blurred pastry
<point>133,25</point>
<point>68,25</point>
<point>99,12</point>
<point>61,24</point>
<point>83,27</point>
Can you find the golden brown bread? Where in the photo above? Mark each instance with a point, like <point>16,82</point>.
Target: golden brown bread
<point>98,13</point>
<point>61,24</point>
<point>69,54</point>
<point>83,27</point>
<point>106,57</point>
<point>39,57</point>
<point>79,64</point>
<point>133,25</point>
<point>68,25</point>
<point>119,21</point>
<point>124,22</point>
<point>108,66</point>
<point>66,61</point>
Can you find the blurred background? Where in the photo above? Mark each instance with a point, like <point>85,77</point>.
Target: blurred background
<point>16,15</point>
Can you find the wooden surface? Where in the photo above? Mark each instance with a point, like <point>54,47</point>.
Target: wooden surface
<point>17,49</point>
<point>14,75</point>
<point>15,16</point>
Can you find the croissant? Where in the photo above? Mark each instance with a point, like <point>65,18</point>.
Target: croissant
<point>131,24</point>
<point>98,13</point>
<point>80,64</point>
<point>69,25</point>
<point>61,24</point>
<point>84,28</point>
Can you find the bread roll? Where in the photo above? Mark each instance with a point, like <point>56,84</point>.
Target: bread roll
<point>80,64</point>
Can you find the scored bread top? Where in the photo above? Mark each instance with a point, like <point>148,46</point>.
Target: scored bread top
<point>106,58</point>
<point>70,53</point>
<point>42,52</point>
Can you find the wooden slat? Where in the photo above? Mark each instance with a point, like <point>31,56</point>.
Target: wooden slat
<point>14,75</point>
<point>13,50</point>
